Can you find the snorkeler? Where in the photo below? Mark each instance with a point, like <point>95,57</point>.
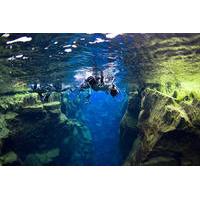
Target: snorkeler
<point>97,83</point>
<point>45,91</point>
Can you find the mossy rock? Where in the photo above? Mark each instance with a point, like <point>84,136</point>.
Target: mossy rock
<point>8,158</point>
<point>43,158</point>
<point>161,161</point>
<point>4,131</point>
<point>62,118</point>
<point>33,108</point>
<point>52,105</point>
<point>17,101</point>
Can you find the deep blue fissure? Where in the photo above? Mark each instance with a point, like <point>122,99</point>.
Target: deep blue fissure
<point>102,113</point>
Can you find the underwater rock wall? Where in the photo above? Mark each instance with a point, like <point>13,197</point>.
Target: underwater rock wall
<point>165,69</point>
<point>168,62</point>
<point>168,131</point>
<point>161,58</point>
<point>33,133</point>
<point>128,126</point>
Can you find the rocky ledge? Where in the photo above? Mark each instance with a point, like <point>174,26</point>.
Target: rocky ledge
<point>161,129</point>
<point>33,133</point>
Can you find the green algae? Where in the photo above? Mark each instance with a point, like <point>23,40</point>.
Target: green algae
<point>8,158</point>
<point>63,119</point>
<point>15,102</point>
<point>171,40</point>
<point>10,115</point>
<point>177,48</point>
<point>52,105</point>
<point>4,120</point>
<point>4,131</point>
<point>161,161</point>
<point>42,158</point>
<point>36,129</point>
<point>177,75</point>
<point>129,121</point>
<point>162,115</point>
<point>171,61</point>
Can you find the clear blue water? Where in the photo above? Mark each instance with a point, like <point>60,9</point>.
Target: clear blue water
<point>102,116</point>
<point>71,58</point>
<point>103,113</point>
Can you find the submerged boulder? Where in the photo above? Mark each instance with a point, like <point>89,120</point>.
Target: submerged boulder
<point>168,131</point>
<point>168,121</point>
<point>8,158</point>
<point>42,158</point>
<point>40,134</point>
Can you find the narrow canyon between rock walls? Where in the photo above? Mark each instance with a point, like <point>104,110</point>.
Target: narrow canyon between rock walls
<point>50,116</point>
<point>105,127</point>
<point>102,113</point>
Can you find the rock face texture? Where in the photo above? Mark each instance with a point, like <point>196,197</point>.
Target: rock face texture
<point>171,60</point>
<point>166,130</point>
<point>33,133</point>
<point>128,127</point>
<point>161,125</point>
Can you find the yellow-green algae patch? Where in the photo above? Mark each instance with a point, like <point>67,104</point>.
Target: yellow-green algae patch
<point>8,158</point>
<point>172,62</point>
<point>174,40</point>
<point>17,102</point>
<point>42,158</point>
